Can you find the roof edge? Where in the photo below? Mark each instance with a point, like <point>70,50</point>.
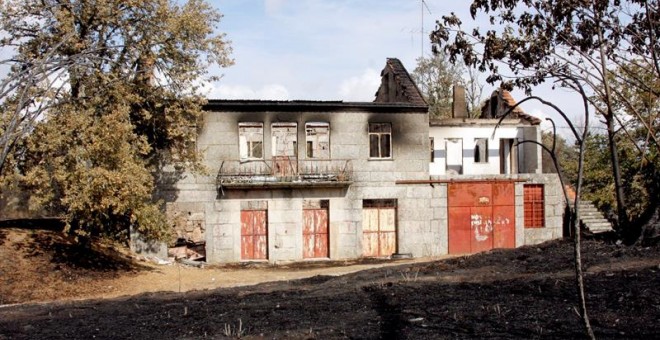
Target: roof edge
<point>310,105</point>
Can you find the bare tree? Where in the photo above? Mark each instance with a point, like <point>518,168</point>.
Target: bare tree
<point>574,211</point>
<point>569,41</point>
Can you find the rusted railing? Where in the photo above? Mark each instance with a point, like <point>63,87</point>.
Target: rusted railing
<point>284,170</point>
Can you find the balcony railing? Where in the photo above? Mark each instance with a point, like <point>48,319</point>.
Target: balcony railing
<point>284,172</point>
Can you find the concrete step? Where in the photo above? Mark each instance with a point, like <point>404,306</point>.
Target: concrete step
<point>592,218</point>
<point>599,227</point>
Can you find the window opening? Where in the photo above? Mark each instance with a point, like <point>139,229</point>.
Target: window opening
<point>481,150</point>
<point>380,140</point>
<point>534,206</point>
<point>250,137</point>
<point>318,140</point>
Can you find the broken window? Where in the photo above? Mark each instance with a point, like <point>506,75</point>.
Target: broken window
<point>285,139</point>
<point>508,156</point>
<point>380,140</point>
<point>251,140</point>
<point>431,144</point>
<point>481,150</point>
<point>317,136</point>
<point>454,159</point>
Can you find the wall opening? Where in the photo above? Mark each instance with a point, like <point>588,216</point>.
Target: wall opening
<point>454,159</point>
<point>251,140</point>
<point>481,150</point>
<point>317,137</point>
<point>380,140</point>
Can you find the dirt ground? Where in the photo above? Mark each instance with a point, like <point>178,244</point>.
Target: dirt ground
<point>523,293</point>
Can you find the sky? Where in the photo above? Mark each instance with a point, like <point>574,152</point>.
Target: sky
<point>335,49</point>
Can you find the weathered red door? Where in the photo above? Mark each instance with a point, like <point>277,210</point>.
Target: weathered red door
<point>254,235</point>
<point>315,233</point>
<point>504,214</point>
<point>379,228</point>
<point>481,216</point>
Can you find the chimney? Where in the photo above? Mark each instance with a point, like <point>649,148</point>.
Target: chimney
<point>459,105</point>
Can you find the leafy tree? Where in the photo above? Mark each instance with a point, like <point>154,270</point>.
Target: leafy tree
<point>579,45</point>
<point>566,154</point>
<point>436,77</point>
<point>110,99</point>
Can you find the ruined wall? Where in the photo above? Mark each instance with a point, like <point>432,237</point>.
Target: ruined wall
<point>467,131</point>
<point>554,208</point>
<point>196,200</point>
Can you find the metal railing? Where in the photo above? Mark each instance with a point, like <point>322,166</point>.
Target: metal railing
<point>284,169</point>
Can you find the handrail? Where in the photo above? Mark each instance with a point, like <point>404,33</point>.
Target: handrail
<point>284,169</point>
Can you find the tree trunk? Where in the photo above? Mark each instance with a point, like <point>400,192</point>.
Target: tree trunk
<point>622,223</point>
<point>575,223</point>
<point>622,217</point>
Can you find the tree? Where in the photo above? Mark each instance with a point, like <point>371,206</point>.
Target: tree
<point>436,77</point>
<point>567,157</point>
<point>576,44</point>
<point>118,84</point>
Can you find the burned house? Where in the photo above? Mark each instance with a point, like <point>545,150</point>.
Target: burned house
<point>299,180</point>
<point>489,169</point>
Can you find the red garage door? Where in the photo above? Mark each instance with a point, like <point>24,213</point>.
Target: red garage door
<point>254,235</point>
<point>315,230</point>
<point>481,216</point>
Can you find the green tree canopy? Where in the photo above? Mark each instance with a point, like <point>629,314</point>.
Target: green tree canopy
<point>118,80</point>
<point>436,77</point>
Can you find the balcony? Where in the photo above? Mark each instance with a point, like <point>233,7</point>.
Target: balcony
<point>285,172</point>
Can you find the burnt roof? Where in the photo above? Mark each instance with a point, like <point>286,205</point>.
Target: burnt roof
<point>504,102</point>
<point>397,85</point>
<point>311,106</point>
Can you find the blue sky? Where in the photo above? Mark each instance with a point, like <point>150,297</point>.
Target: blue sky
<point>335,49</point>
<point>325,50</point>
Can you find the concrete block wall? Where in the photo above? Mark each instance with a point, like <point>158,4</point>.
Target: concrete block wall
<point>372,179</point>
<point>421,209</point>
<point>554,208</point>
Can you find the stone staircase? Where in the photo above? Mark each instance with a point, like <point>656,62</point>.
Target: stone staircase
<point>592,219</point>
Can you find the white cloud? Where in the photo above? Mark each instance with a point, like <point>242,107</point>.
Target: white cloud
<point>227,91</point>
<point>273,91</point>
<point>545,124</point>
<point>360,88</point>
<point>273,6</point>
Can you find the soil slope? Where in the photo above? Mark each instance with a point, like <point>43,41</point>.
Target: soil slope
<point>522,293</point>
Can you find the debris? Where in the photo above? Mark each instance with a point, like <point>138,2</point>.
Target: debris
<point>159,261</point>
<point>187,262</point>
<point>188,250</point>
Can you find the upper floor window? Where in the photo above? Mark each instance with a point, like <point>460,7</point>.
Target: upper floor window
<point>251,140</point>
<point>431,147</point>
<point>481,150</point>
<point>380,140</point>
<point>317,137</point>
<point>285,139</point>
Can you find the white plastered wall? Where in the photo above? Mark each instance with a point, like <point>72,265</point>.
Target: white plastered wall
<point>468,134</point>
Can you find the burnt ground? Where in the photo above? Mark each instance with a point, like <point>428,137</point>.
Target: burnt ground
<point>523,293</point>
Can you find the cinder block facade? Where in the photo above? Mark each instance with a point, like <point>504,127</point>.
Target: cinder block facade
<point>308,180</point>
